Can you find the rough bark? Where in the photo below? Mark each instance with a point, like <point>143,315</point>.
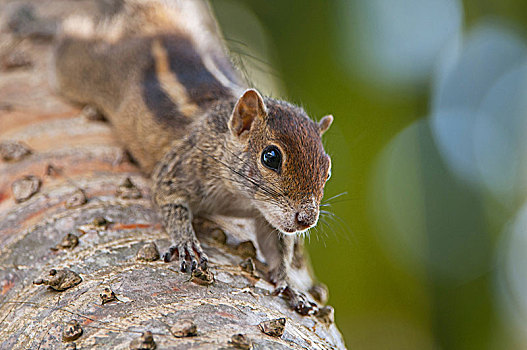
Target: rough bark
<point>73,155</point>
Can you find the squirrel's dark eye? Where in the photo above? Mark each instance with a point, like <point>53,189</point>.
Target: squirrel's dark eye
<point>272,158</point>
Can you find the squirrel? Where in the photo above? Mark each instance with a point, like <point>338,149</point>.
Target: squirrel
<point>160,74</point>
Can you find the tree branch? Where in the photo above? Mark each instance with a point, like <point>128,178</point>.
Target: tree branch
<point>85,219</point>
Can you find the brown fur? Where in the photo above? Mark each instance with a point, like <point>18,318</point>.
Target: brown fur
<point>186,125</point>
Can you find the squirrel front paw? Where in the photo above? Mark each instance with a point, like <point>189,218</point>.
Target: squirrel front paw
<point>188,254</point>
<point>297,300</point>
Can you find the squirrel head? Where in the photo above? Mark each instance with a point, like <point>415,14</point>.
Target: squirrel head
<point>285,162</point>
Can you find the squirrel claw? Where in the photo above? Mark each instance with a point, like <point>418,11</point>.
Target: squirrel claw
<point>187,253</point>
<point>167,257</point>
<point>183,266</point>
<point>203,262</point>
<point>297,300</point>
<point>279,290</point>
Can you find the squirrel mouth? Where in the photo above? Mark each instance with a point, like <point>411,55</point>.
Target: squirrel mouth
<point>293,231</point>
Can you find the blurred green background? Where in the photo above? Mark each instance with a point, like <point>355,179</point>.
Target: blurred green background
<point>428,246</point>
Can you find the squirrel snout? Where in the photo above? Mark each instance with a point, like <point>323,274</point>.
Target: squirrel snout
<point>306,218</point>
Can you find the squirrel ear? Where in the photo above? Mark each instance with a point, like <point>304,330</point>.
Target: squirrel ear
<point>247,109</point>
<point>325,123</point>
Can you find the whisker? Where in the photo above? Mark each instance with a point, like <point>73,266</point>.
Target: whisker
<point>267,67</point>
<point>342,225</point>
<point>268,198</point>
<point>335,196</point>
<point>263,187</point>
<point>341,200</point>
<point>236,41</point>
<point>270,190</point>
<point>244,162</point>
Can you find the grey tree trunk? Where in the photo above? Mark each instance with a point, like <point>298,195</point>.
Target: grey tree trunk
<point>71,227</point>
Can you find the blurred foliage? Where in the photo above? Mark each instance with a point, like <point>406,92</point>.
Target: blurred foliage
<point>438,290</point>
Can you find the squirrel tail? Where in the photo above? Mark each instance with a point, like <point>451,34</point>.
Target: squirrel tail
<point>83,69</point>
<point>93,59</point>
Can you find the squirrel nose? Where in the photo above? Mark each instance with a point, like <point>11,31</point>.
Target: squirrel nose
<point>305,219</point>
